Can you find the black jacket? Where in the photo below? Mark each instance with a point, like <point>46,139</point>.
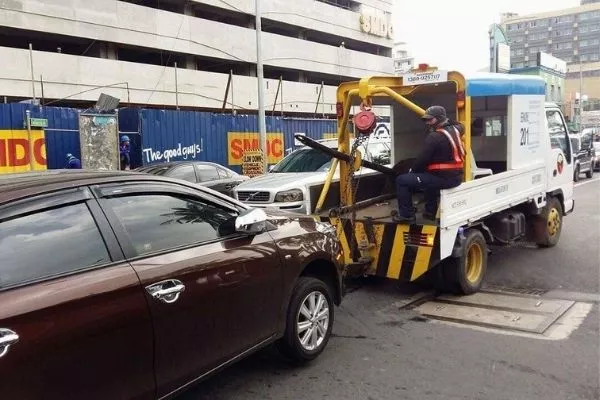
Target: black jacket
<point>438,150</point>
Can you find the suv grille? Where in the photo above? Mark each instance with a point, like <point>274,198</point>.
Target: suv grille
<point>257,197</point>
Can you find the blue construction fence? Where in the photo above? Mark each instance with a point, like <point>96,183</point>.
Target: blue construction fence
<point>170,135</point>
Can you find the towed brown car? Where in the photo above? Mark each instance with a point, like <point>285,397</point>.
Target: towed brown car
<point>132,286</point>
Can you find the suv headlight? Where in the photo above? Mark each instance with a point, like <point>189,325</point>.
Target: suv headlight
<point>289,195</point>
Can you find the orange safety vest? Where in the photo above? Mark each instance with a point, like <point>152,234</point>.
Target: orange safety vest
<point>458,152</point>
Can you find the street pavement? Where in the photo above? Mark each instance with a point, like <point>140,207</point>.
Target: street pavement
<point>382,350</point>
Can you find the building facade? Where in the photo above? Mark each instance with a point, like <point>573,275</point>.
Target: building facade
<point>184,52</point>
<point>403,62</point>
<point>572,35</point>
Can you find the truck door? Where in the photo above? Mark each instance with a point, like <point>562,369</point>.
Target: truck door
<point>561,158</point>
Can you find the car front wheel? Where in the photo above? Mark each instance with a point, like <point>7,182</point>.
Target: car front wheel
<point>309,320</point>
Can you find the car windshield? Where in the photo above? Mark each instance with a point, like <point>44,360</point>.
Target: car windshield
<point>379,152</point>
<point>304,160</point>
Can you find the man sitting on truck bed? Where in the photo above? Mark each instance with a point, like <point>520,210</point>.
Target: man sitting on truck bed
<point>439,166</point>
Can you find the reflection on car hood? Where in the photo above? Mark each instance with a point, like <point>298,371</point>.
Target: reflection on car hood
<point>282,181</point>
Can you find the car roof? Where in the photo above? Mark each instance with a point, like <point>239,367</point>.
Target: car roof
<point>22,185</point>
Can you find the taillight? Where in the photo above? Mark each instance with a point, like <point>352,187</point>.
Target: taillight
<point>460,99</point>
<point>339,109</point>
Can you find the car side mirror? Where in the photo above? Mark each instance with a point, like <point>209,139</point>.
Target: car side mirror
<point>252,221</point>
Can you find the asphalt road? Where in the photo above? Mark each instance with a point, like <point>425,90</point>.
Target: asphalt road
<point>380,351</point>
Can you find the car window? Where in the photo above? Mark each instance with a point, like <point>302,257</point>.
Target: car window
<point>586,140</point>
<point>575,144</point>
<point>183,172</point>
<point>154,170</point>
<point>160,222</point>
<point>207,173</point>
<point>557,130</point>
<point>223,173</point>
<point>304,160</point>
<point>49,243</point>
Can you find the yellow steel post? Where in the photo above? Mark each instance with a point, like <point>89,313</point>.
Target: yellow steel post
<point>325,189</point>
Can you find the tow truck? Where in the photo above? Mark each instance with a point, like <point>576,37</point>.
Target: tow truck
<point>517,183</point>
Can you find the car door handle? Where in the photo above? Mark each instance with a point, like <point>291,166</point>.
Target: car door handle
<point>7,339</point>
<point>166,291</point>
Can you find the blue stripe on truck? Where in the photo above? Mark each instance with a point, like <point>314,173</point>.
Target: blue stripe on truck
<point>504,85</point>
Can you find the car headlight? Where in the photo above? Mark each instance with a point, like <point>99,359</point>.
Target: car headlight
<point>289,195</point>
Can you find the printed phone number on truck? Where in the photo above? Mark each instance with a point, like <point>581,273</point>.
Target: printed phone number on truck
<point>424,78</point>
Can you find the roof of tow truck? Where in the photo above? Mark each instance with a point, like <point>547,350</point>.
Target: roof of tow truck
<point>497,84</point>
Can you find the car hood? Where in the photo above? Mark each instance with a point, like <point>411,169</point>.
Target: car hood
<point>282,181</point>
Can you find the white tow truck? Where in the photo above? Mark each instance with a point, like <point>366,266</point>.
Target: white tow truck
<point>517,185</point>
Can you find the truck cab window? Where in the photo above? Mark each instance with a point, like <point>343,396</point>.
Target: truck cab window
<point>559,137</point>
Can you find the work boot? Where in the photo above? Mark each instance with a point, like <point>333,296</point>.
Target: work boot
<point>429,216</point>
<point>400,219</point>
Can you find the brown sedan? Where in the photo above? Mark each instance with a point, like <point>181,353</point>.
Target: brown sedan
<point>134,286</point>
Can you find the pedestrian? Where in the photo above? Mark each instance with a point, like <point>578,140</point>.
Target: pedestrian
<point>124,150</point>
<point>73,162</point>
<point>439,166</point>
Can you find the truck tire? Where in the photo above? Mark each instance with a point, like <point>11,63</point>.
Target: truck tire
<point>548,225</point>
<point>308,325</point>
<point>465,274</point>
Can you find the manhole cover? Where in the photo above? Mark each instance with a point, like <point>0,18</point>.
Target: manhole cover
<point>497,310</point>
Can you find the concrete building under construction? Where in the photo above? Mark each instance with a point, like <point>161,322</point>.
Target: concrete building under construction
<point>191,53</point>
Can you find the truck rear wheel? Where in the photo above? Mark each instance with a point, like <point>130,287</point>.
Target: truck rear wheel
<point>548,225</point>
<point>464,274</point>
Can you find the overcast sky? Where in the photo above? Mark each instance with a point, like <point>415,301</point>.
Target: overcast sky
<point>442,33</point>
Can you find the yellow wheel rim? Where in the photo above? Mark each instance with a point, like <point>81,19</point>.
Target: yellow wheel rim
<point>474,262</point>
<point>553,222</point>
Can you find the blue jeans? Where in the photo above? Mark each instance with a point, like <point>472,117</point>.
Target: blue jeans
<point>431,185</point>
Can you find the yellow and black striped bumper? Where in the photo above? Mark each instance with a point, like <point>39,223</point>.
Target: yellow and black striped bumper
<point>398,251</point>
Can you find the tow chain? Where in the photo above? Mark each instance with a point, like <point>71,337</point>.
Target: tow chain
<point>359,140</point>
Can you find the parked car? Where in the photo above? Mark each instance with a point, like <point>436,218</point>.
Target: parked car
<point>118,285</point>
<point>597,158</point>
<point>207,174</point>
<point>595,133</point>
<point>292,183</point>
<point>585,155</point>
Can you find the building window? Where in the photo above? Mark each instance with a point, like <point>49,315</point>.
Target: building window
<point>563,46</point>
<point>589,15</point>
<point>563,32</point>
<point>594,57</point>
<point>589,42</point>
<point>563,19</point>
<point>538,36</point>
<point>583,57</point>
<point>589,28</point>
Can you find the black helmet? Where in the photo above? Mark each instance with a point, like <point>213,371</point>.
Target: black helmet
<point>438,112</point>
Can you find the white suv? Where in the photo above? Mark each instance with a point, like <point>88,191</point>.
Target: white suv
<point>288,185</point>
